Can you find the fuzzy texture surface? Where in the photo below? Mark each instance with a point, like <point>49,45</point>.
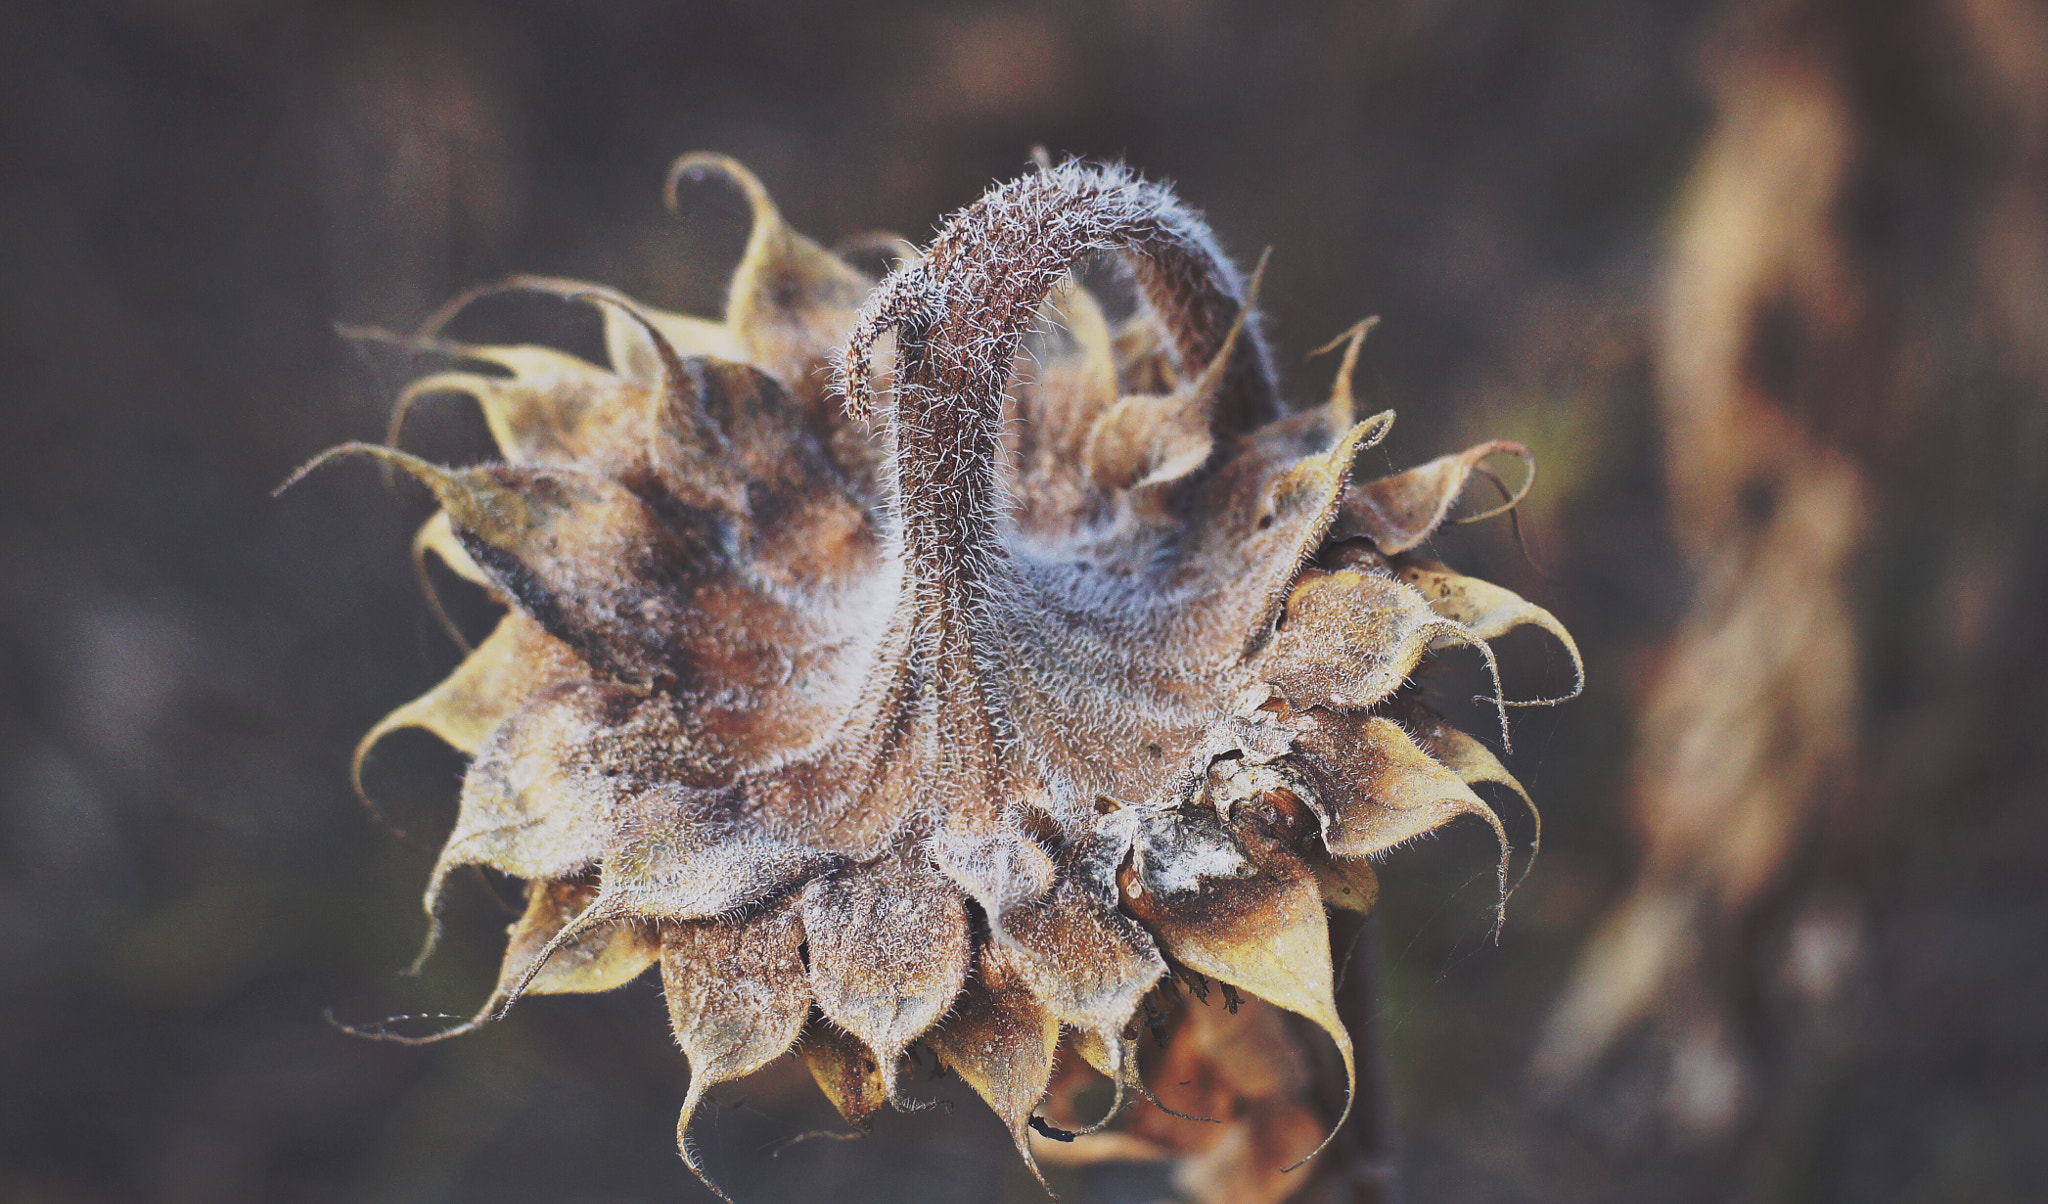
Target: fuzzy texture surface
<point>887,695</point>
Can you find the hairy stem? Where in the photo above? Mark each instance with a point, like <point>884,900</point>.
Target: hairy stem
<point>960,315</point>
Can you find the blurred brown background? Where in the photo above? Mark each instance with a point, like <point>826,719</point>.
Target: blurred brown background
<point>1763,282</point>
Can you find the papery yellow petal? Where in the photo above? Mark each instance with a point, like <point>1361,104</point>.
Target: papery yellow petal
<point>1487,611</point>
<point>1233,903</point>
<point>517,661</point>
<point>1347,882</point>
<point>1339,412</point>
<point>607,956</point>
<point>1269,520</point>
<point>1152,439</point>
<point>437,535</point>
<point>847,1071</point>
<point>555,409</point>
<point>632,351</point>
<point>791,301</point>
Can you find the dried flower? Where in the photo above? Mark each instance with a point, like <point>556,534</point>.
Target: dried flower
<point>956,711</point>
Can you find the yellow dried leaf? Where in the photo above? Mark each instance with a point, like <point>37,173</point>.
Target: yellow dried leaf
<point>1234,903</point>
<point>606,957</point>
<point>847,1071</point>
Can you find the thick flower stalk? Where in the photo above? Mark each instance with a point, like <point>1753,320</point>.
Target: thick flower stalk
<point>886,694</point>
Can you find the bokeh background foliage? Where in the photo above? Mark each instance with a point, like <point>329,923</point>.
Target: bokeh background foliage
<point>1763,282</point>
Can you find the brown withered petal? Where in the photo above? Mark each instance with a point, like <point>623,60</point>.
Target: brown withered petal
<point>1086,961</point>
<point>737,998</point>
<point>911,696</point>
<point>889,952</point>
<point>1402,510</point>
<point>1000,1040</point>
<point>1243,1067</point>
<point>1458,752</point>
<point>1150,439</point>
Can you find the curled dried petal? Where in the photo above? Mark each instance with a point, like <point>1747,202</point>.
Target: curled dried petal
<point>608,956</point>
<point>1402,510</point>
<point>1487,611</point>
<point>1234,903</point>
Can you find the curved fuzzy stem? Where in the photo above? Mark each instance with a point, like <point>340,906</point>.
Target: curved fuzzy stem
<point>959,316</point>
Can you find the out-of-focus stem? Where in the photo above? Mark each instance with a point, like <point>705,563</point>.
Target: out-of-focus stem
<point>1360,1166</point>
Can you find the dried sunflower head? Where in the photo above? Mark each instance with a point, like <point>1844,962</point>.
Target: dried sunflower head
<point>890,694</point>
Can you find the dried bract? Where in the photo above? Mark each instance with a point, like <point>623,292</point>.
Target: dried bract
<point>960,711</point>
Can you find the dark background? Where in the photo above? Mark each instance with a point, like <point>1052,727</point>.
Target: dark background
<point>193,192</point>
